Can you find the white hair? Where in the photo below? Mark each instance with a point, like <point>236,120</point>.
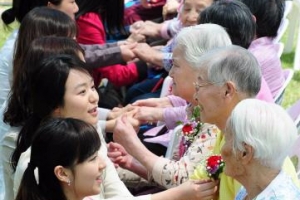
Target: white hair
<point>233,63</point>
<point>266,127</point>
<point>195,40</point>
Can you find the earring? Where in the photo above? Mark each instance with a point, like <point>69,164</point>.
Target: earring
<point>69,182</point>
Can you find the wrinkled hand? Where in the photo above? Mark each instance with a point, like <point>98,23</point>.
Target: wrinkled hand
<point>163,102</point>
<point>147,28</point>
<point>149,114</point>
<point>119,156</point>
<point>195,190</point>
<point>117,111</point>
<point>124,132</point>
<point>145,52</point>
<point>127,53</point>
<point>135,122</point>
<point>136,37</point>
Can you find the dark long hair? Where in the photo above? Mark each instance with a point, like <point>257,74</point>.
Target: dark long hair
<point>66,142</point>
<point>20,8</point>
<point>46,90</point>
<point>268,14</point>
<point>235,17</point>
<point>111,11</point>
<point>39,22</point>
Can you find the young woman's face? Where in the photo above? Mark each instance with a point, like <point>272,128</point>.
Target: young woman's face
<point>67,6</point>
<point>191,10</point>
<point>81,98</point>
<point>88,176</point>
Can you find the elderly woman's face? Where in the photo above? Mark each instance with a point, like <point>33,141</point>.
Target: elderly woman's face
<point>183,76</point>
<point>233,165</point>
<point>191,10</point>
<point>210,98</point>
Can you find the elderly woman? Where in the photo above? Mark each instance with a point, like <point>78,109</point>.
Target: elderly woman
<point>254,131</point>
<point>160,169</point>
<point>225,77</point>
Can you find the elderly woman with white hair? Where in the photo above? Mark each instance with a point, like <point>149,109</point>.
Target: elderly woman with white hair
<point>227,76</point>
<point>258,137</point>
<point>201,38</point>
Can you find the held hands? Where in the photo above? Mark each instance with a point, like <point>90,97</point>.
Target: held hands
<point>124,132</point>
<point>196,190</point>
<point>149,114</point>
<point>163,102</point>
<point>127,53</point>
<point>147,28</point>
<point>119,156</point>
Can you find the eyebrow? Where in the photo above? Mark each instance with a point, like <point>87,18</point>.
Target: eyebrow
<point>83,84</point>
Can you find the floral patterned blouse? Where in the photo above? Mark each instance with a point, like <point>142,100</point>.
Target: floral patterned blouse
<point>171,173</point>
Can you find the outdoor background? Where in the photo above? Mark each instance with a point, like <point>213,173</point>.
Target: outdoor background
<point>292,93</point>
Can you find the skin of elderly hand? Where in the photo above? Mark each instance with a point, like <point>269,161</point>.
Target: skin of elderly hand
<point>124,132</point>
<point>195,190</point>
<point>127,53</point>
<point>145,52</point>
<point>154,102</point>
<point>117,111</point>
<point>136,37</point>
<point>149,114</point>
<point>147,28</point>
<point>119,156</point>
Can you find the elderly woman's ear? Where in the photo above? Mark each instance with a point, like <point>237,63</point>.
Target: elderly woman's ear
<point>247,155</point>
<point>230,89</point>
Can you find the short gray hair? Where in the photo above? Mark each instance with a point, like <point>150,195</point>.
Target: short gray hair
<point>234,64</point>
<point>266,127</point>
<point>196,40</point>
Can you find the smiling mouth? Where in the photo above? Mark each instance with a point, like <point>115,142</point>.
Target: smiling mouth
<point>93,110</point>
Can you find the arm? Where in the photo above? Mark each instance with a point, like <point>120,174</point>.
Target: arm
<point>146,53</point>
<point>166,172</point>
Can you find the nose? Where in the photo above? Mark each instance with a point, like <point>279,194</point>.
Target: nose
<point>193,17</point>
<point>102,164</point>
<point>94,97</point>
<point>171,72</point>
<point>75,8</point>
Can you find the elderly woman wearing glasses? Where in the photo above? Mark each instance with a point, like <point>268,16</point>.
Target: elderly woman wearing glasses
<point>225,76</point>
<point>258,136</point>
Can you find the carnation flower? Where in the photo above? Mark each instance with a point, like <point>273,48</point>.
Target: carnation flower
<point>211,168</point>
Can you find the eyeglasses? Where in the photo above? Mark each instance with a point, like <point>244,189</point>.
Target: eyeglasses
<point>200,85</point>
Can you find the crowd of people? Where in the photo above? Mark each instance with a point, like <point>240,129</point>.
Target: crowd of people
<point>83,117</point>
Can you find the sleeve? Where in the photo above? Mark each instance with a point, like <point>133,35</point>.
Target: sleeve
<point>21,167</point>
<point>177,101</point>
<point>6,63</point>
<point>173,115</point>
<point>103,113</point>
<point>101,55</point>
<point>170,28</point>
<point>7,147</point>
<point>92,31</point>
<point>121,75</point>
<point>171,173</point>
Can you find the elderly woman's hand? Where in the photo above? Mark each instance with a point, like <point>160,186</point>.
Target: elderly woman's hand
<point>154,102</point>
<point>149,114</point>
<point>116,112</point>
<point>196,190</point>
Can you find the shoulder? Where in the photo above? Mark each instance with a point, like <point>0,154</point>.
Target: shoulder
<point>282,187</point>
